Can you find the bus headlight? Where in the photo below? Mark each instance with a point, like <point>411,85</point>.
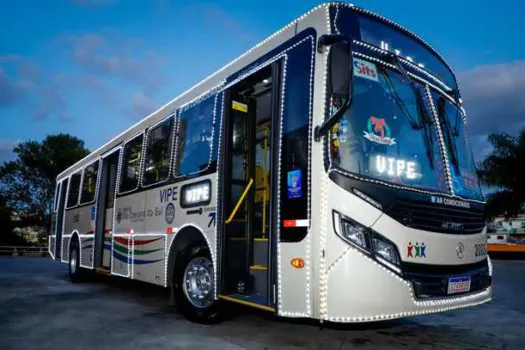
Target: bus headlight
<point>367,240</point>
<point>385,249</point>
<point>352,231</point>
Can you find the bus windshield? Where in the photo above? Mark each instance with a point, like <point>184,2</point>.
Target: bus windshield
<point>377,137</point>
<point>464,179</point>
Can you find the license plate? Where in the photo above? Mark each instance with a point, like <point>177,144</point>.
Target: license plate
<point>458,285</point>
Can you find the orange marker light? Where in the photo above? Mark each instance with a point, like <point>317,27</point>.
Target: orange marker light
<point>298,263</point>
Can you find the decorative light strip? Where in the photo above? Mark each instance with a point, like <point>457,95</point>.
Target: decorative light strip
<point>436,305</point>
<point>437,125</point>
<point>49,245</point>
<point>400,27</point>
<point>217,187</point>
<point>405,61</point>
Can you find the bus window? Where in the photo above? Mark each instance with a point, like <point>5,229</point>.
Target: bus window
<point>195,131</point>
<point>158,153</point>
<point>129,179</point>
<point>72,196</point>
<point>89,184</point>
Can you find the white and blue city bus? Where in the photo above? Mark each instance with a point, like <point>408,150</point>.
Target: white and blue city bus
<point>325,173</point>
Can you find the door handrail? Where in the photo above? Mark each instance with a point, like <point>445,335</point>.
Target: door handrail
<point>239,202</point>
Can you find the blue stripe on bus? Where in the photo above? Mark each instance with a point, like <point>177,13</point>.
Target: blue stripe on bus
<point>125,259</point>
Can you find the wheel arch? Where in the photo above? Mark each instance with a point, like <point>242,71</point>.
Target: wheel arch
<point>186,236</point>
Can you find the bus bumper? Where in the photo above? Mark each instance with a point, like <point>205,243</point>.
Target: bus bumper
<point>359,289</point>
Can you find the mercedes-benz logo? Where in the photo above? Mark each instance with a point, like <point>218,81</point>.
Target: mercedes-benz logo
<point>460,250</point>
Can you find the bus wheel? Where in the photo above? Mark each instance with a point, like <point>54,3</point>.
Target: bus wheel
<point>194,286</point>
<point>75,272</point>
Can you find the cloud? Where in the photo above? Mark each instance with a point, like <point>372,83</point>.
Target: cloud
<point>219,17</point>
<point>494,100</point>
<point>6,150</point>
<point>8,90</point>
<point>494,97</point>
<point>113,55</point>
<point>142,105</point>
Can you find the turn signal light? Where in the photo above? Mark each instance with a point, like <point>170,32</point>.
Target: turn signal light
<point>298,263</point>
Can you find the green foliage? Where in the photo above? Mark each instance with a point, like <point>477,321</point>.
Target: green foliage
<point>504,169</point>
<point>27,184</point>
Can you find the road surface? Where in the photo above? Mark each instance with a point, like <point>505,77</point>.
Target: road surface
<point>41,309</point>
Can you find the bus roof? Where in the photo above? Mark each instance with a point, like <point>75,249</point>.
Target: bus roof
<point>315,17</point>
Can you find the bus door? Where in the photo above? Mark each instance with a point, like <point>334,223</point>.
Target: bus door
<point>105,205</point>
<point>59,219</point>
<point>248,169</point>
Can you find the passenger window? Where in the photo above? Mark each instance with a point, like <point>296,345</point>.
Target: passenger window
<point>158,153</point>
<point>129,179</point>
<point>194,130</point>
<point>89,184</point>
<point>74,189</point>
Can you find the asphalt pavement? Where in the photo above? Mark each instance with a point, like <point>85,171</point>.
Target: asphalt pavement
<point>41,309</point>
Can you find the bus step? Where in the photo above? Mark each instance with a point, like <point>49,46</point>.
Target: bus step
<point>259,275</point>
<point>102,271</point>
<point>254,300</point>
<point>260,251</point>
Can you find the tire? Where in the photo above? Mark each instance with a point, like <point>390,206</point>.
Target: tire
<point>75,271</point>
<point>193,284</point>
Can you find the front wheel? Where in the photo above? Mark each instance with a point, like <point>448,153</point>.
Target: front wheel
<point>194,286</point>
<point>75,273</point>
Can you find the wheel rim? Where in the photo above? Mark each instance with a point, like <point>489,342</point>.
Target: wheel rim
<point>198,282</point>
<point>73,261</point>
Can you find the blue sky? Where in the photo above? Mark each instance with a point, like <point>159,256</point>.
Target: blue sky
<point>92,68</point>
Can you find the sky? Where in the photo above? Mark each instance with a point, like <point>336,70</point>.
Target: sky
<point>92,68</point>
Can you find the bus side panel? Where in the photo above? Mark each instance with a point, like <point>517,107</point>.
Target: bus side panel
<point>86,228</point>
<point>129,221</point>
<point>71,225</point>
<point>148,258</point>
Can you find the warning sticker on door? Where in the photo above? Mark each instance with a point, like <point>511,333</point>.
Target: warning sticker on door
<point>238,106</point>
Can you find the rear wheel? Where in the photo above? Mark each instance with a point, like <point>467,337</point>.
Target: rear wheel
<point>194,285</point>
<point>75,272</point>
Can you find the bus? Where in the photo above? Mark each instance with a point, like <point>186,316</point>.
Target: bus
<point>325,173</point>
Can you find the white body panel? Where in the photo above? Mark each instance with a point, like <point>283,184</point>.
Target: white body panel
<point>337,283</point>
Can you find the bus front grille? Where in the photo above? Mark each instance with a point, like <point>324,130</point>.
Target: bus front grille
<point>436,218</point>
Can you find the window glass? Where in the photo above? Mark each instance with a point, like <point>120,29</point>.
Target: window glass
<point>74,188</point>
<point>464,175</point>
<point>158,153</point>
<point>112,168</point>
<point>195,138</point>
<point>57,191</point>
<point>89,184</point>
<point>129,179</point>
<point>376,137</point>
<point>294,148</point>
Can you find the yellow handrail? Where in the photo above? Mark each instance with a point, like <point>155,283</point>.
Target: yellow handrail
<point>237,206</point>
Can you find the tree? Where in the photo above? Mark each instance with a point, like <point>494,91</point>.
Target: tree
<point>28,183</point>
<point>504,169</point>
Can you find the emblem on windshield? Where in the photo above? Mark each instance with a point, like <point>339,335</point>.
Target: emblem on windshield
<point>379,131</point>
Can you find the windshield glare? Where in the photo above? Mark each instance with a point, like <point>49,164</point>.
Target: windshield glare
<point>375,137</point>
<point>464,178</point>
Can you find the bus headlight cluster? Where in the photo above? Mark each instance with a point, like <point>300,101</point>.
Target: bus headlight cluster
<point>367,240</point>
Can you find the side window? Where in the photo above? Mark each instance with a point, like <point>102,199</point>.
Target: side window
<point>110,198</point>
<point>158,153</point>
<point>74,190</point>
<point>57,192</point>
<point>194,129</point>
<point>89,184</point>
<point>129,179</point>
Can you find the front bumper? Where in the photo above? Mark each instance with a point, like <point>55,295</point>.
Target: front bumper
<point>359,289</point>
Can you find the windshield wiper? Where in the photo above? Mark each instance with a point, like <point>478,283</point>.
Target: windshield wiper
<point>425,121</point>
<point>451,134</point>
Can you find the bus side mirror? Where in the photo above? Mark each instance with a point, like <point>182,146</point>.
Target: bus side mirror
<point>340,72</point>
